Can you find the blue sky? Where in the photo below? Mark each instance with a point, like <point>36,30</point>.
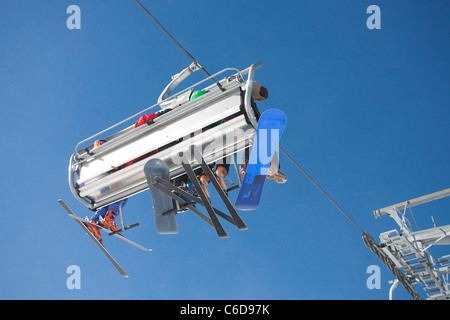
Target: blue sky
<point>368,114</point>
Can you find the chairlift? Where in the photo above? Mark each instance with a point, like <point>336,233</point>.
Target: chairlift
<point>98,176</point>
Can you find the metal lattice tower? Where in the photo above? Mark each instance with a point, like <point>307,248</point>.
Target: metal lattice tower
<point>409,250</point>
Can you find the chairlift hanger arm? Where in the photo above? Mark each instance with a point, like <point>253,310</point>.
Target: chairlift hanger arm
<point>176,80</point>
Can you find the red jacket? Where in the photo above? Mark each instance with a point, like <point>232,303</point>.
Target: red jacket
<point>143,120</point>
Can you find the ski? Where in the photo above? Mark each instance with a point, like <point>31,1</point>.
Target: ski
<point>112,233</point>
<point>89,233</point>
<point>270,127</point>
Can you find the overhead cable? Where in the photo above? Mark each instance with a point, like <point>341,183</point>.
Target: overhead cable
<point>177,43</point>
<point>321,190</point>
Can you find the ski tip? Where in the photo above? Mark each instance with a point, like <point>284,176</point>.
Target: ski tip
<point>121,271</point>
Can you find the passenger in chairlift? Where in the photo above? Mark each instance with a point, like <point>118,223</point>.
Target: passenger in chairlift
<point>105,216</point>
<point>259,93</point>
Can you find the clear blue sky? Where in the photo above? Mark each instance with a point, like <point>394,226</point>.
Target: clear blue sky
<point>368,119</point>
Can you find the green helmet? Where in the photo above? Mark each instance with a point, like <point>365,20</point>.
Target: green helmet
<point>197,94</point>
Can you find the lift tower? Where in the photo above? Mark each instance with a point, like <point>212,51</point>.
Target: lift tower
<point>409,250</point>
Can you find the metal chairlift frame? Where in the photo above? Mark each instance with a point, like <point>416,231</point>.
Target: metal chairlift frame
<point>99,182</point>
<point>408,249</point>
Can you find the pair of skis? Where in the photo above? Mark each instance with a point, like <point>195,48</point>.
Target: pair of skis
<point>83,224</point>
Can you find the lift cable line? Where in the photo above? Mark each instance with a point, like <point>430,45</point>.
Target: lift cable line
<point>177,43</point>
<point>321,190</point>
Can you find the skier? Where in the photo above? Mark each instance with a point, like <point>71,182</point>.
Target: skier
<point>105,216</point>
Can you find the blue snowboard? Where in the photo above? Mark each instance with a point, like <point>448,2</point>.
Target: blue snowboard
<point>270,127</point>
<point>162,203</point>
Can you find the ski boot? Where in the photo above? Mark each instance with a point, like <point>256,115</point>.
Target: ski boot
<point>190,187</point>
<point>95,231</point>
<point>278,177</point>
<point>221,173</point>
<point>109,221</point>
<point>204,184</point>
<point>187,186</point>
